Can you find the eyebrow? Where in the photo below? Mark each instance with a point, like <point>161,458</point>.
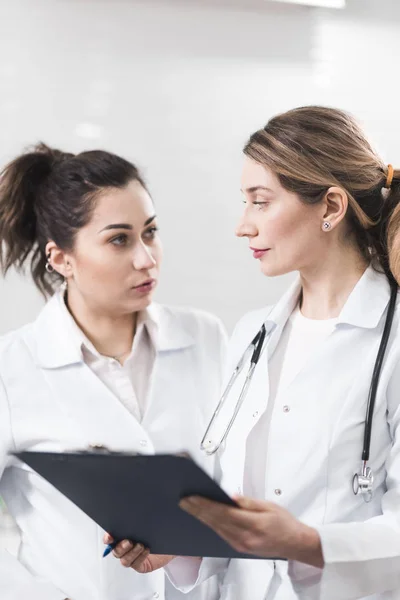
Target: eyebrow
<point>256,188</point>
<point>126,225</point>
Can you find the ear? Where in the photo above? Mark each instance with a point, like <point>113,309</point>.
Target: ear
<point>58,259</point>
<point>336,203</point>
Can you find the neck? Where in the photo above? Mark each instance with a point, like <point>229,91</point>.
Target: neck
<point>326,287</point>
<point>111,335</point>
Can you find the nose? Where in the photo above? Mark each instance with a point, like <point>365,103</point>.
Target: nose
<point>245,228</point>
<point>142,257</point>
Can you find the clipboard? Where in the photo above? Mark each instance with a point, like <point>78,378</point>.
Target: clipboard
<point>136,496</point>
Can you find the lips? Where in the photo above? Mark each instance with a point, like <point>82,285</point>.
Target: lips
<point>258,252</point>
<point>145,285</point>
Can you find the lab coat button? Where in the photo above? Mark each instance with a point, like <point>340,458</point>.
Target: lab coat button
<point>156,595</point>
<point>255,414</point>
<point>286,408</point>
<point>143,442</point>
<point>278,492</point>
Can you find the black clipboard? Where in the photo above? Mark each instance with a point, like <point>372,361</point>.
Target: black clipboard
<point>136,497</point>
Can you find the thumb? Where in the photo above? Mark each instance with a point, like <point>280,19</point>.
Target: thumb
<point>107,539</point>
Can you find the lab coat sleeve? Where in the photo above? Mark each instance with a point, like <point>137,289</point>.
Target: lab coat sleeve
<point>187,572</point>
<point>16,582</point>
<point>361,558</point>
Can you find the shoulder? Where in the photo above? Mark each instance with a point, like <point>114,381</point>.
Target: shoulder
<point>25,337</point>
<point>13,339</point>
<point>203,327</point>
<point>14,350</point>
<point>193,320</point>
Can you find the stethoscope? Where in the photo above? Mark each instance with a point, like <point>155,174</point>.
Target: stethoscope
<point>363,481</point>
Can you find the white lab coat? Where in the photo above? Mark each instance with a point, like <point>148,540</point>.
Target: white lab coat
<point>51,401</point>
<point>312,453</point>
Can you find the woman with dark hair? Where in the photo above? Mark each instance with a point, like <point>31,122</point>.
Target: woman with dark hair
<point>101,365</point>
<point>319,481</point>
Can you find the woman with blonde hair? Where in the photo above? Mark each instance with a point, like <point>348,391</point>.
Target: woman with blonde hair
<point>314,452</point>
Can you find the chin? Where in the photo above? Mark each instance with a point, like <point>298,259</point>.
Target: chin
<point>275,270</point>
<point>139,303</point>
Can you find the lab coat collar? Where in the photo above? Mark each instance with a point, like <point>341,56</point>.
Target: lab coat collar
<point>171,334</point>
<point>279,314</point>
<point>147,319</point>
<point>282,310</point>
<point>54,345</point>
<point>368,300</point>
<point>363,308</point>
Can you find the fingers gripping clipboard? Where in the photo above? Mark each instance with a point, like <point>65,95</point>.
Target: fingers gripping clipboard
<point>136,497</point>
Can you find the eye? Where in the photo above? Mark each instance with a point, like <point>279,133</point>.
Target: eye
<point>260,205</point>
<point>119,240</point>
<point>150,234</point>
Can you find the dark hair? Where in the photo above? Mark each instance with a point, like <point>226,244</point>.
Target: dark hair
<point>313,148</point>
<point>46,194</point>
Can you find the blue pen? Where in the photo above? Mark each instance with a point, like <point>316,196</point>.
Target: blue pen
<point>109,549</point>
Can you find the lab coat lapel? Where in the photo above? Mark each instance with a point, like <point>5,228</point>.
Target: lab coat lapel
<point>258,394</point>
<point>97,414</point>
<point>281,313</point>
<point>257,398</point>
<point>166,382</point>
<point>364,308</point>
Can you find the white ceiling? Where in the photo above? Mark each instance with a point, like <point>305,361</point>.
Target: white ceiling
<point>323,3</point>
<point>260,4</point>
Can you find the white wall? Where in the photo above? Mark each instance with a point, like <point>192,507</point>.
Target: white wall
<point>178,87</point>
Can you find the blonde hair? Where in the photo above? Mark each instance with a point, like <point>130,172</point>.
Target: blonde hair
<point>314,148</point>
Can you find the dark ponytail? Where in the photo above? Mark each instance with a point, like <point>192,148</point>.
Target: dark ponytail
<point>21,182</point>
<point>46,195</point>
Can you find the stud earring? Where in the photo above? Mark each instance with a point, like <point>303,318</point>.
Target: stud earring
<point>326,226</point>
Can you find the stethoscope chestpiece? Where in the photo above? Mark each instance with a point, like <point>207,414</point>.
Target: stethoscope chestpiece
<point>210,447</point>
<point>363,483</point>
